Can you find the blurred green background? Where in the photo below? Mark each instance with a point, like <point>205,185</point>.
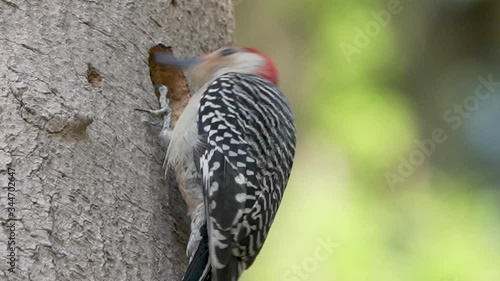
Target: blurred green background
<point>397,172</point>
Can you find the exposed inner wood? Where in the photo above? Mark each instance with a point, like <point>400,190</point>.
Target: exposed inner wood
<point>174,79</point>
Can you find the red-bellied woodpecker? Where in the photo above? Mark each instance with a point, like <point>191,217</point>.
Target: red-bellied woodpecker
<point>232,150</point>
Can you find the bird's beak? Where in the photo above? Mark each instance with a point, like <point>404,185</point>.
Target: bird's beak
<point>170,60</point>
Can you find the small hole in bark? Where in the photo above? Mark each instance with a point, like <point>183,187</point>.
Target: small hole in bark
<point>174,3</point>
<point>93,76</point>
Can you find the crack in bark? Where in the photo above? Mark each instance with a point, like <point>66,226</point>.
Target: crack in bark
<point>33,49</point>
<point>11,4</point>
<point>51,231</point>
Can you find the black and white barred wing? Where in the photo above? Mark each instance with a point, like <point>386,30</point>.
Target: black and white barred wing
<point>245,165</point>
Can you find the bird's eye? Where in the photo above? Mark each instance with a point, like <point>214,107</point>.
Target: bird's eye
<point>228,52</point>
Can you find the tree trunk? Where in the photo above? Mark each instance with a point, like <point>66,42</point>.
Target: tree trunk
<point>86,195</point>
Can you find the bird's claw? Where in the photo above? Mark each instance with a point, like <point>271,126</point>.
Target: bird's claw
<point>158,112</point>
<point>164,103</point>
<point>164,110</point>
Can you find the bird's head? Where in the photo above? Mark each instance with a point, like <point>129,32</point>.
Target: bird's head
<point>230,59</point>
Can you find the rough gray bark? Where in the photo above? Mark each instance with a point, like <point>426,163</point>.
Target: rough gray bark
<point>90,199</point>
